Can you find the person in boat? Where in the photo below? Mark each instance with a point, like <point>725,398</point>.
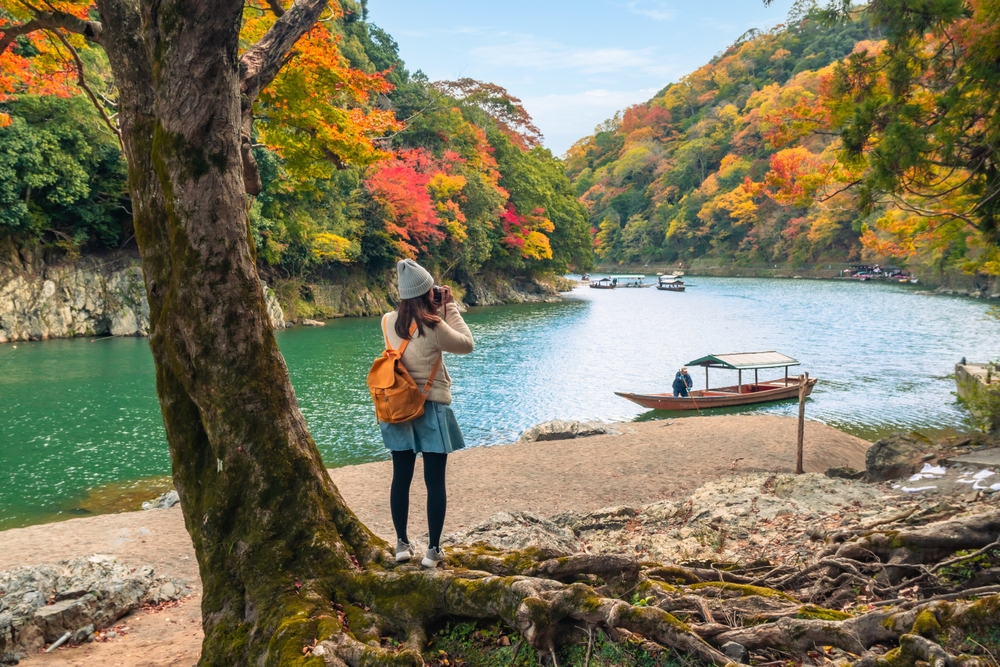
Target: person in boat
<point>682,382</point>
<point>435,434</point>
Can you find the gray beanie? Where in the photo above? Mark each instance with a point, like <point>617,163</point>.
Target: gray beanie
<point>414,280</point>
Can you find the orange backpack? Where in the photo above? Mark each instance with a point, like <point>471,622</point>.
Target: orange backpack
<point>396,396</point>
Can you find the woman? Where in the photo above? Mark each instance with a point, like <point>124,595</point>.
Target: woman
<point>436,433</point>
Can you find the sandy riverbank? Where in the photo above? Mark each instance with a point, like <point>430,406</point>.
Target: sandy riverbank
<point>650,461</point>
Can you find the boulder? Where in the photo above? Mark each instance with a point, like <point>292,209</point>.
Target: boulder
<point>313,323</point>
<point>42,603</point>
<point>164,501</point>
<point>559,429</point>
<point>899,455</point>
<point>737,652</point>
<point>844,472</point>
<point>518,530</point>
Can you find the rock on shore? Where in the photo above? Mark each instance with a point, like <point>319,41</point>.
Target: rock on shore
<point>559,429</point>
<point>38,605</point>
<point>90,297</point>
<point>723,519</point>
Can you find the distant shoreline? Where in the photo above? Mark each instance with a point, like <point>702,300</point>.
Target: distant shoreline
<point>949,284</point>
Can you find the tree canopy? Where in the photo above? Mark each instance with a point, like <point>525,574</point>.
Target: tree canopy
<point>359,161</point>
<point>848,133</point>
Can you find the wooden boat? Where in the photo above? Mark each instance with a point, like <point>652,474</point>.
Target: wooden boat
<point>738,394</point>
<point>631,281</point>
<point>670,284</point>
<point>603,283</point>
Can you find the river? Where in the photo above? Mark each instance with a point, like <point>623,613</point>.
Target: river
<point>80,428</point>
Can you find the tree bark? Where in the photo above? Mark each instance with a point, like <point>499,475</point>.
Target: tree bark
<point>265,519</point>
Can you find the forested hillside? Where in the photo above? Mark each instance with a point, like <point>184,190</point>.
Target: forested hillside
<point>360,162</point>
<point>727,161</point>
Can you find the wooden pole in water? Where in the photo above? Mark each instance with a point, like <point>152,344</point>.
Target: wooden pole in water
<point>803,383</point>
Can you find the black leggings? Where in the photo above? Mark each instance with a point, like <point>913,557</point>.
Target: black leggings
<point>437,496</point>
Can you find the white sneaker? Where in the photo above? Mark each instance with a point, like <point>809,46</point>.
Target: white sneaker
<point>433,557</point>
<point>404,551</point>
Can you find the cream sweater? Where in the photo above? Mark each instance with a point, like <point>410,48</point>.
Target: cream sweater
<point>450,335</point>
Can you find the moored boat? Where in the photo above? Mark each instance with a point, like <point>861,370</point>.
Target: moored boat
<point>603,283</point>
<point>738,394</point>
<point>670,284</point>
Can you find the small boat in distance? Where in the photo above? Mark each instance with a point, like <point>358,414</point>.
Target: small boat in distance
<point>739,394</point>
<point>603,283</point>
<point>631,281</point>
<point>670,284</point>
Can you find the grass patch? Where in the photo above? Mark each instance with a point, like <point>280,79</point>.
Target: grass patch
<point>492,645</point>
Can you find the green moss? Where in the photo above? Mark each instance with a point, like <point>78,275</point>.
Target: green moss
<point>743,589</point>
<point>821,613</point>
<point>926,625</point>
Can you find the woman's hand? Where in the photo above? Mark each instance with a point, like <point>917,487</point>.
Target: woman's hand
<point>446,296</point>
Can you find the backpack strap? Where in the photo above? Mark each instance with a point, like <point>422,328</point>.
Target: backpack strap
<point>430,380</point>
<point>406,341</point>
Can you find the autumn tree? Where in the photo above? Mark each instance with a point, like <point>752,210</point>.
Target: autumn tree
<point>290,575</point>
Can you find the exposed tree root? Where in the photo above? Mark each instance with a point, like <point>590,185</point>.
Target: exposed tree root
<point>548,597</point>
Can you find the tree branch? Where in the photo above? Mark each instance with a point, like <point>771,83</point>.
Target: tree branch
<point>51,21</point>
<point>262,61</point>
<point>81,81</point>
<point>276,7</point>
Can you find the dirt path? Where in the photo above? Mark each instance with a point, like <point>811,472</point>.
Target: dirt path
<point>648,462</point>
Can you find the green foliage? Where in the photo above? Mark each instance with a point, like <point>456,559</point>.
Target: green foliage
<point>62,176</point>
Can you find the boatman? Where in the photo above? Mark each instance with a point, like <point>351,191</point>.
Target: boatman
<point>682,382</point>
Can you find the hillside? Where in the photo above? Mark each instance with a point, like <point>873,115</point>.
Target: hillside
<point>727,162</point>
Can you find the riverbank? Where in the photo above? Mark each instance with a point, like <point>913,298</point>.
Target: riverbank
<point>648,462</point>
<point>105,296</point>
<point>952,283</point>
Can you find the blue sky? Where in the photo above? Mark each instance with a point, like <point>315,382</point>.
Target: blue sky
<point>572,63</point>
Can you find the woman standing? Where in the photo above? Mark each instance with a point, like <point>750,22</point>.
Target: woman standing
<point>439,328</point>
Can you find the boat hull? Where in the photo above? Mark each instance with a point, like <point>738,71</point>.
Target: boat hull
<point>723,397</point>
<point>670,289</point>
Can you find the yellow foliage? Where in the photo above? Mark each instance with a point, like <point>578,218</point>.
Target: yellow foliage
<point>332,248</point>
<point>536,246</point>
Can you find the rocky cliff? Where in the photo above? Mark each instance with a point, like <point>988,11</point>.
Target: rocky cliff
<point>89,297</point>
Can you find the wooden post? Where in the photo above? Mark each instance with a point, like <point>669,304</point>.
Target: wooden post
<point>803,384</point>
<point>786,376</point>
<point>706,378</point>
<point>755,380</point>
<point>739,389</point>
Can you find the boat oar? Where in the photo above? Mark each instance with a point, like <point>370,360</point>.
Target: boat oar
<point>691,396</point>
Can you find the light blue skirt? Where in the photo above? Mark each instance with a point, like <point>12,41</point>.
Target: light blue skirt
<point>436,432</point>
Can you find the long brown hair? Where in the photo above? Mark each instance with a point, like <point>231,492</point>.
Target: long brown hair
<point>420,310</point>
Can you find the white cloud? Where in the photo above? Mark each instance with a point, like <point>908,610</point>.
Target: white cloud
<point>564,118</point>
<point>533,53</point>
<point>654,10</point>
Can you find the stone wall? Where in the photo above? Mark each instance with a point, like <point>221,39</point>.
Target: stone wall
<point>89,297</point>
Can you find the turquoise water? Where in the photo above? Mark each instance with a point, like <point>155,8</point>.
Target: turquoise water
<point>78,416</point>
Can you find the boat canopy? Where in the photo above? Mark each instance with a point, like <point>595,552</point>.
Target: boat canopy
<point>628,277</point>
<point>745,360</point>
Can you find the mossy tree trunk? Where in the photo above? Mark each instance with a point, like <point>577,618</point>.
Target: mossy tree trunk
<point>265,519</point>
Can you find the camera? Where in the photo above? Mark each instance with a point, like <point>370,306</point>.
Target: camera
<point>437,295</point>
